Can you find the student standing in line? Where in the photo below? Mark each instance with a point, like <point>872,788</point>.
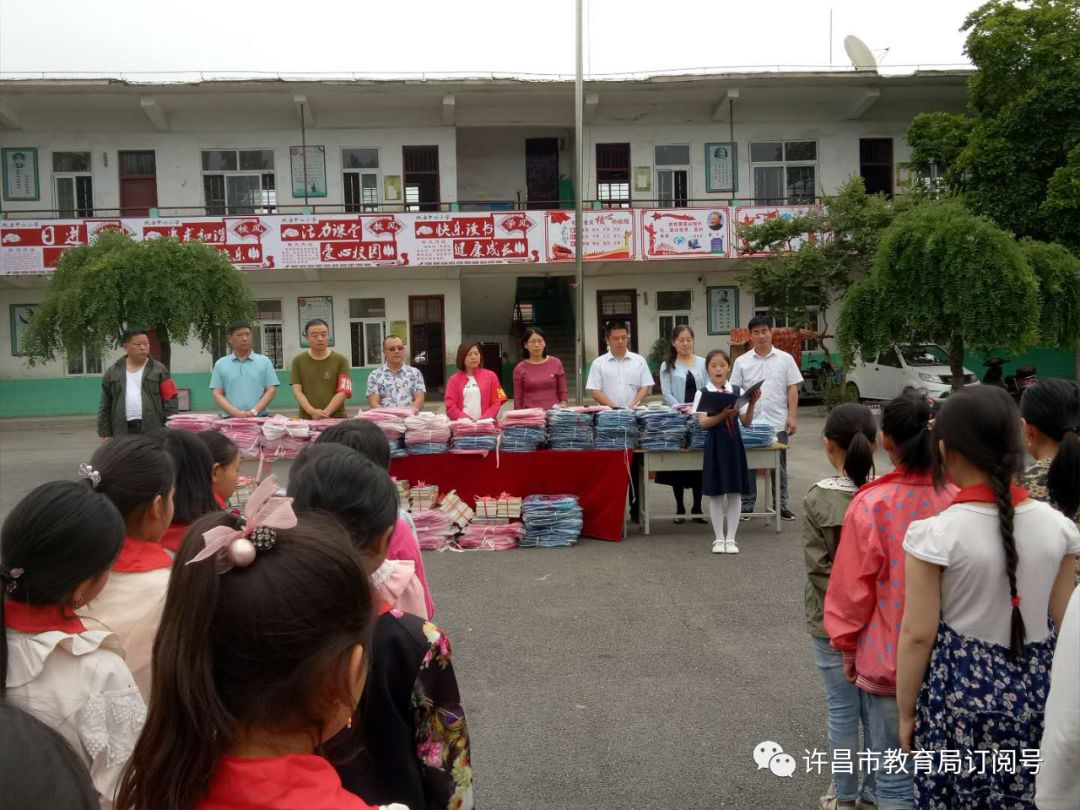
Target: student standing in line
<point>226,469</point>
<point>976,646</point>
<point>682,375</point>
<point>320,377</point>
<point>539,379</point>
<point>193,496</point>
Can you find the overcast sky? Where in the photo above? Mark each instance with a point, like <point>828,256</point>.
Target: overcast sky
<point>109,37</point>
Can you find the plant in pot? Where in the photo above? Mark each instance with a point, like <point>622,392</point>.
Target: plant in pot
<point>655,358</point>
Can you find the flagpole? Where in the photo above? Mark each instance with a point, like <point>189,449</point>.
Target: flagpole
<point>579,189</point>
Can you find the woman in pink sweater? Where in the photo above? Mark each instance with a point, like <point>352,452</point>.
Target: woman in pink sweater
<point>473,392</point>
<point>539,380</point>
<point>864,603</point>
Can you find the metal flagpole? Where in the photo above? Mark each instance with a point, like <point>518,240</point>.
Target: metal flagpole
<point>303,151</point>
<point>579,181</point>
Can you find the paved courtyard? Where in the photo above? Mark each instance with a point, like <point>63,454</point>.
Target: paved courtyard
<point>627,675</point>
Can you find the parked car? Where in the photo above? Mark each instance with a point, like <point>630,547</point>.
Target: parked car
<point>920,365</point>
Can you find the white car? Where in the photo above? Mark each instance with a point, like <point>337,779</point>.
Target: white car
<point>924,366</point>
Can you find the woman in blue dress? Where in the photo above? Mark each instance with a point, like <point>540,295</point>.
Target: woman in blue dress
<point>682,375</point>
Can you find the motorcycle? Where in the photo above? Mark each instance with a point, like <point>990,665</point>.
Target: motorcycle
<point>1016,383</point>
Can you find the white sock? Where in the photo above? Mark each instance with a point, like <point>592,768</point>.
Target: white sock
<point>733,508</point>
<point>717,511</point>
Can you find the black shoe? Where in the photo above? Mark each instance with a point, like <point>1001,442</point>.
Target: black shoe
<point>787,514</point>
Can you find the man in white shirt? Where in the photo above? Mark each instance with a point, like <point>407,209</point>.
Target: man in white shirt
<point>779,401</point>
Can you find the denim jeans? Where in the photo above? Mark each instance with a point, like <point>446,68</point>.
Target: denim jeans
<point>845,711</point>
<point>750,501</point>
<point>895,791</point>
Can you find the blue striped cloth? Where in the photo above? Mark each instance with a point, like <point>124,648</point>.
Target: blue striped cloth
<point>662,428</point>
<point>551,521</point>
<point>758,434</point>
<point>517,439</point>
<point>616,429</point>
<point>570,430</point>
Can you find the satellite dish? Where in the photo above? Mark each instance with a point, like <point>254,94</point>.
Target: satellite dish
<point>859,54</point>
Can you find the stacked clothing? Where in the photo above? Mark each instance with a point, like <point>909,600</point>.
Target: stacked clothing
<point>427,433</point>
<point>473,437</point>
<point>245,433</point>
<point>662,428</point>
<point>523,430</point>
<point>617,429</point>
<point>551,521</point>
<point>694,430</point>
<point>758,434</point>
<point>194,422</point>
<point>571,429</point>
<point>392,422</point>
<point>485,537</point>
<point>434,529</point>
<point>283,437</point>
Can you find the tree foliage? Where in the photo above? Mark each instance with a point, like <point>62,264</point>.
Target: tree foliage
<point>937,139</point>
<point>1062,203</point>
<point>1058,273</point>
<point>178,288</point>
<point>942,274</point>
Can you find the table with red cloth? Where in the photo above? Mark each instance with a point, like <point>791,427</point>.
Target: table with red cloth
<point>599,478</point>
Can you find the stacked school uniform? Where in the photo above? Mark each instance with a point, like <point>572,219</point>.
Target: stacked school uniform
<point>662,428</point>
<point>392,422</point>
<point>427,433</point>
<point>571,429</point>
<point>283,437</point>
<point>551,521</point>
<point>245,432</point>
<point>523,430</point>
<point>194,422</point>
<point>758,434</point>
<point>695,433</point>
<point>483,537</point>
<point>617,429</point>
<point>434,529</point>
<point>470,436</point>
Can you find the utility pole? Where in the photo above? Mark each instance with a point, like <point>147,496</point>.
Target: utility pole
<point>579,188</point>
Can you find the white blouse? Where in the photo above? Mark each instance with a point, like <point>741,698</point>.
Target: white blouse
<point>79,685</point>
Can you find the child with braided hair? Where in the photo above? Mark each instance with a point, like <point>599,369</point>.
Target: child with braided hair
<point>975,645</point>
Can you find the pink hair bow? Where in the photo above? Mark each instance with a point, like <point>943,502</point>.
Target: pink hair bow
<point>264,513</point>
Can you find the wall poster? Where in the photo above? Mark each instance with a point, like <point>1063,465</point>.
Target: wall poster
<point>721,167</point>
<point>315,181</point>
<point>315,306</point>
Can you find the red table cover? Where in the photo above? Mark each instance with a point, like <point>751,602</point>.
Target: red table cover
<point>599,478</point>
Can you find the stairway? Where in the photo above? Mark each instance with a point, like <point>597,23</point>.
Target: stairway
<point>553,314</point>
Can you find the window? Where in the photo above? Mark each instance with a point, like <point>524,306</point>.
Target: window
<point>613,174</point>
<point>889,358</point>
<point>88,362</point>
<point>673,309</point>
<point>876,165</point>
<point>785,172</point>
<point>239,181</point>
<point>360,177</point>
<point>74,184</point>
<point>672,176</point>
<point>420,166</point>
<point>367,329</point>
<point>267,332</point>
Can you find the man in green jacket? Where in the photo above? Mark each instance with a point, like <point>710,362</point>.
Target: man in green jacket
<point>137,393</point>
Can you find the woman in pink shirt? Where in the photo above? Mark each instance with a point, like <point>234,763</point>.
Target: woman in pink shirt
<point>474,392</point>
<point>539,380</point>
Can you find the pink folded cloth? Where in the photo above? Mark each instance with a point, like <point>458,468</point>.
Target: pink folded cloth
<point>396,582</point>
<point>524,417</point>
<point>491,538</point>
<point>404,547</point>
<point>195,422</point>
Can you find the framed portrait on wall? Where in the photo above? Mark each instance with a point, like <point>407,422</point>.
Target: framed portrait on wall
<point>20,319</point>
<point>20,173</point>
<point>315,306</point>
<point>721,168</point>
<point>723,303</point>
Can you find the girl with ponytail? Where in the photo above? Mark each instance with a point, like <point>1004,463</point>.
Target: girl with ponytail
<point>975,646</point>
<point>865,597</point>
<point>850,440</point>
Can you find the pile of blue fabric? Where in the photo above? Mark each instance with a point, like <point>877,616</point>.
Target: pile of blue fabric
<point>570,429</point>
<point>551,521</point>
<point>696,432</point>
<point>466,443</point>
<point>397,448</point>
<point>519,439</point>
<point>616,429</point>
<point>758,434</point>
<point>662,428</point>
<point>426,448</point>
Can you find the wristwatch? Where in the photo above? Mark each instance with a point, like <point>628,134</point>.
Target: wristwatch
<point>254,412</point>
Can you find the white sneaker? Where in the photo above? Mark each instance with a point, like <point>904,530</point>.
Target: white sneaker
<point>730,547</point>
<point>718,547</point>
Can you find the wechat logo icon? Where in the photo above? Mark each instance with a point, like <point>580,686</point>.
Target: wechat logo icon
<point>771,755</point>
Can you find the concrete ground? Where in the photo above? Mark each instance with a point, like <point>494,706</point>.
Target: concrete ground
<point>639,674</point>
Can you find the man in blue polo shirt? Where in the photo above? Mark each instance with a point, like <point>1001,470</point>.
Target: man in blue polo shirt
<point>243,382</point>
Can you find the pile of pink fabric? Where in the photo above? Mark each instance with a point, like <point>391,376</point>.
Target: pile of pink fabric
<point>392,422</point>
<point>427,433</point>
<point>434,529</point>
<point>525,417</point>
<point>491,538</point>
<point>471,437</point>
<point>246,433</point>
<point>194,422</point>
<point>283,437</point>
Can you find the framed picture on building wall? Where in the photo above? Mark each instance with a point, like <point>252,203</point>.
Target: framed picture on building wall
<point>20,173</point>
<point>311,176</point>
<point>315,306</point>
<point>721,168</point>
<point>20,319</point>
<point>723,303</point>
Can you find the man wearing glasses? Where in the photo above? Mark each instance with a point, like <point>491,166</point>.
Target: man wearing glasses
<point>395,384</point>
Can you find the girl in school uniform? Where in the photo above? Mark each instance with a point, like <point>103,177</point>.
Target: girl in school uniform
<point>226,470</point>
<point>410,729</point>
<point>56,546</point>
<point>194,495</point>
<point>724,474</point>
<point>137,476</point>
<point>251,674</point>
<point>850,439</point>
<point>976,645</point>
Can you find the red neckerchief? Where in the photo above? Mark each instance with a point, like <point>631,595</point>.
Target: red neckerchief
<point>901,474</point>
<point>138,556</point>
<point>173,536</point>
<point>40,618</point>
<point>382,606</point>
<point>221,501</point>
<point>981,493</point>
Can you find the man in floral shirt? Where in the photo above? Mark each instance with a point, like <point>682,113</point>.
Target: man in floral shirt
<point>395,384</point>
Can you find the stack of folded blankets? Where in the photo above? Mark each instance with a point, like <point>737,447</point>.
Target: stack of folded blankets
<point>662,428</point>
<point>194,422</point>
<point>485,537</point>
<point>283,437</point>
<point>473,437</point>
<point>694,429</point>
<point>434,529</point>
<point>616,429</point>
<point>245,433</point>
<point>523,430</point>
<point>317,426</point>
<point>571,429</point>
<point>551,521</point>
<point>427,433</point>
<point>758,434</point>
<point>392,422</point>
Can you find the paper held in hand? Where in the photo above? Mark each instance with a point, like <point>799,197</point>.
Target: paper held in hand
<point>712,402</point>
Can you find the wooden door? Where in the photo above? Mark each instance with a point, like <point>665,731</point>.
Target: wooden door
<point>138,183</point>
<point>616,305</point>
<point>542,172</point>
<point>427,338</point>
<point>421,177</point>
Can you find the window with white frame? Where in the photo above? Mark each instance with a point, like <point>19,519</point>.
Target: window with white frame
<point>812,320</point>
<point>784,172</point>
<point>86,363</point>
<point>672,175</point>
<point>74,184</point>
<point>239,182</point>
<point>360,178</point>
<point>367,329</point>
<point>672,309</point>
<point>267,334</point>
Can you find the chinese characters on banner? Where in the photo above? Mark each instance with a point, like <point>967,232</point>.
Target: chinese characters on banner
<point>685,233</point>
<point>608,235</point>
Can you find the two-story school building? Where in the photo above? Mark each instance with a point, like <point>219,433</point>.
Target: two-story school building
<point>438,210</point>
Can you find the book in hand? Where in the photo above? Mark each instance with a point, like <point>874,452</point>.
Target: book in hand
<point>744,397</point>
<point>712,402</point>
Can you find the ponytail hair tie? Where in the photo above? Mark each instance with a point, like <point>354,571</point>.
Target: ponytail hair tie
<point>1015,601</point>
<point>10,578</point>
<point>264,514</point>
<point>88,472</point>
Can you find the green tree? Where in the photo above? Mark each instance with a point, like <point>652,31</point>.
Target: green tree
<point>99,289</point>
<point>942,274</point>
<point>1062,203</point>
<point>937,139</point>
<point>1058,273</point>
